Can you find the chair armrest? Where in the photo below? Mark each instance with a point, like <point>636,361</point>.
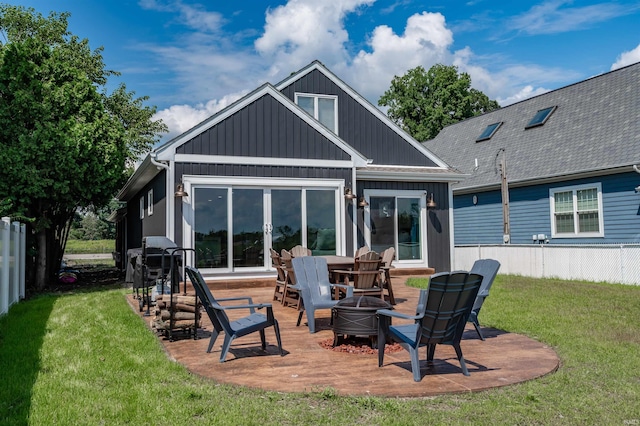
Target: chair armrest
<point>227,299</point>
<point>390,313</point>
<point>483,293</point>
<point>347,288</point>
<point>342,271</point>
<point>251,306</point>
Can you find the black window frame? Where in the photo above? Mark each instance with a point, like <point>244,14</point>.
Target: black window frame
<point>484,136</point>
<point>541,117</point>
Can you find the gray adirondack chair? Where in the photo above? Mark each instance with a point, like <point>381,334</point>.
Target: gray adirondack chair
<point>488,268</point>
<point>312,275</point>
<point>441,315</point>
<point>253,322</point>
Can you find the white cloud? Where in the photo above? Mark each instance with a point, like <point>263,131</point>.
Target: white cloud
<point>552,17</point>
<point>425,41</point>
<point>209,66</point>
<point>193,16</point>
<point>289,40</point>
<point>627,58</point>
<point>180,118</point>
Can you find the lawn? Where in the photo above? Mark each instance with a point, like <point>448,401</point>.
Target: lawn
<point>84,357</point>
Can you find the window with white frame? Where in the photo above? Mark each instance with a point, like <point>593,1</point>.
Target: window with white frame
<point>576,211</point>
<point>141,207</point>
<point>323,108</point>
<point>150,202</point>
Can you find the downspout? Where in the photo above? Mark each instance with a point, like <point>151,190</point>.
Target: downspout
<point>636,168</point>
<point>171,201</point>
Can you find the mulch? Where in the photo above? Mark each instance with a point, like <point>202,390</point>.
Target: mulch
<point>358,346</point>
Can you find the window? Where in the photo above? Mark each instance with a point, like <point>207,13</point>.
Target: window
<point>323,108</point>
<point>141,207</point>
<point>489,132</point>
<point>576,211</point>
<point>150,202</point>
<point>540,118</point>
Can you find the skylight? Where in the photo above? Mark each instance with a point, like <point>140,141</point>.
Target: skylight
<point>540,118</point>
<point>489,131</point>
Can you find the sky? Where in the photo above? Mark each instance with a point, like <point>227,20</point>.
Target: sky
<point>193,58</point>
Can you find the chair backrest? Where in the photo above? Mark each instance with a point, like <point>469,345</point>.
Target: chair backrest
<point>368,268</point>
<point>362,250</point>
<point>214,310</point>
<point>447,303</point>
<point>312,273</point>
<point>286,258</point>
<point>300,251</point>
<point>387,256</point>
<point>488,268</point>
<point>277,264</point>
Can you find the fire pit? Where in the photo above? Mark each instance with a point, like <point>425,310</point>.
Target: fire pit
<point>356,316</point>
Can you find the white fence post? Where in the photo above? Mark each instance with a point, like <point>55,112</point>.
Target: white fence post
<point>22,264</point>
<point>4,269</point>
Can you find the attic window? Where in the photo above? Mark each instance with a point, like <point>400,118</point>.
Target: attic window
<point>489,131</point>
<point>541,117</point>
<point>323,108</point>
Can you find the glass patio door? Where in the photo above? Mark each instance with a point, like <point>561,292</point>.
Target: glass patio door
<point>234,227</point>
<point>396,221</point>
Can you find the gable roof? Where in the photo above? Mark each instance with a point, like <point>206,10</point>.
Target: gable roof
<point>594,128</point>
<point>318,66</point>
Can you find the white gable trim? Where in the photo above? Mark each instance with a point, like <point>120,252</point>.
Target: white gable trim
<point>316,65</point>
<point>167,152</point>
<point>264,161</point>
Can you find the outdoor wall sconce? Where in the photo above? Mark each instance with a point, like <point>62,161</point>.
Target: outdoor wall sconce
<point>348,195</point>
<point>180,192</point>
<point>362,202</point>
<point>430,203</point>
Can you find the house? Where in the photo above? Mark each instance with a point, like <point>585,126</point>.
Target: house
<point>306,161</point>
<point>563,166</point>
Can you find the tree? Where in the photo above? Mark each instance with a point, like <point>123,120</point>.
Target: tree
<point>65,140</point>
<point>424,102</point>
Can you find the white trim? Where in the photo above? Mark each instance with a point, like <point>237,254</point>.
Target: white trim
<point>150,202</point>
<point>316,107</point>
<point>420,194</point>
<point>265,161</point>
<point>422,175</point>
<point>167,151</point>
<point>191,181</point>
<point>366,104</point>
<point>141,208</point>
<point>452,235</point>
<point>576,229</point>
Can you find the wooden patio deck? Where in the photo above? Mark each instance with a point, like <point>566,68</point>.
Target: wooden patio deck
<point>502,359</point>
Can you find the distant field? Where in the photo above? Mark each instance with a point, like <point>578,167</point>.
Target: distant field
<point>92,246</point>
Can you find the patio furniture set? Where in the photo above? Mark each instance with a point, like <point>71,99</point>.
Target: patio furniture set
<point>308,283</point>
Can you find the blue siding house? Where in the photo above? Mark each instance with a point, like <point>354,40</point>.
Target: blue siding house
<point>563,166</point>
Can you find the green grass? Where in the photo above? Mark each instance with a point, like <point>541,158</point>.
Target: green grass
<point>89,246</point>
<point>87,358</point>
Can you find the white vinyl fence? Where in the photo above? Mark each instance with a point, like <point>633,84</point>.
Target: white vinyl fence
<point>12,263</point>
<point>614,263</point>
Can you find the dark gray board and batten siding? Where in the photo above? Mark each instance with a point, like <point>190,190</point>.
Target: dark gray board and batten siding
<point>365,132</point>
<point>149,225</point>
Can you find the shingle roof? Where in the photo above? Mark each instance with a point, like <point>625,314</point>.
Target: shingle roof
<point>596,126</point>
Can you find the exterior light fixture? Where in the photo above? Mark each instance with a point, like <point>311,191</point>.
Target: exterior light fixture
<point>362,202</point>
<point>348,195</point>
<point>430,203</point>
<point>180,192</point>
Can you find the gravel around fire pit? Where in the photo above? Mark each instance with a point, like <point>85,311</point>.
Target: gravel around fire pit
<point>358,346</point>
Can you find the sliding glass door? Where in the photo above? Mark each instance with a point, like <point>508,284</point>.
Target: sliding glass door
<point>234,226</point>
<point>397,221</point>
